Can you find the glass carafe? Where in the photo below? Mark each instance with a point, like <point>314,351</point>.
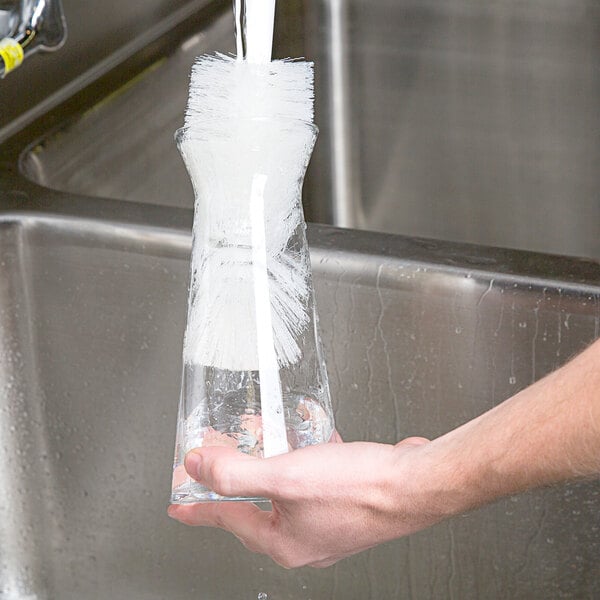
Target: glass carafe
<point>254,377</point>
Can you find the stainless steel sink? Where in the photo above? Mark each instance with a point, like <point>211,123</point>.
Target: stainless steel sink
<point>444,119</point>
<point>420,336</point>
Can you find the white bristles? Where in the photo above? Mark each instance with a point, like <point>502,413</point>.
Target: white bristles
<point>245,120</point>
<point>224,90</point>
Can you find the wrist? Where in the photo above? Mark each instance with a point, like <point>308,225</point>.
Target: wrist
<point>433,482</point>
<point>412,490</point>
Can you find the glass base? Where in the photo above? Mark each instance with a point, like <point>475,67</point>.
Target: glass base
<point>194,492</point>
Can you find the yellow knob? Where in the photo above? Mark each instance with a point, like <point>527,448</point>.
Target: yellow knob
<point>11,52</point>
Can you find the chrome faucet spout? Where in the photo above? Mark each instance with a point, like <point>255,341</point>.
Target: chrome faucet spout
<point>29,26</point>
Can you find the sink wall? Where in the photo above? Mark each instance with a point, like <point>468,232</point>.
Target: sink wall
<point>419,337</point>
<point>468,121</point>
<point>445,119</point>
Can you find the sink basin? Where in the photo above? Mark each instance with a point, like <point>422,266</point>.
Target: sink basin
<point>470,123</point>
<point>419,337</point>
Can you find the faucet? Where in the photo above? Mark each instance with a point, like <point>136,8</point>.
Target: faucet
<point>28,26</point>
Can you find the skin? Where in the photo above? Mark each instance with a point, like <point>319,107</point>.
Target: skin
<point>337,499</point>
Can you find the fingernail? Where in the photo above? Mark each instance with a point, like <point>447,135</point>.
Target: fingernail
<point>193,463</point>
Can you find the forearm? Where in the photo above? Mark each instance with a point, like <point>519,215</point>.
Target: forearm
<point>547,433</point>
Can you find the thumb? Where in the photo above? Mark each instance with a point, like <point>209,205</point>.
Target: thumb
<point>229,472</point>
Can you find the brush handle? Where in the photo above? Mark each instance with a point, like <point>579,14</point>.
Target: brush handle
<point>260,17</point>
<point>271,401</point>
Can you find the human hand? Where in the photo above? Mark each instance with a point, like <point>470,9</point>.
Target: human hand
<point>328,501</point>
<point>333,500</point>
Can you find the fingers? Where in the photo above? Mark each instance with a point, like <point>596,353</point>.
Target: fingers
<point>413,441</point>
<point>246,521</point>
<point>231,473</point>
<point>255,528</point>
<point>336,438</point>
<point>323,564</point>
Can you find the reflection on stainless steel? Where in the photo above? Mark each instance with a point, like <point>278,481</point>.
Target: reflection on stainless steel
<point>448,119</point>
<point>473,121</point>
<point>345,179</point>
<point>128,151</point>
<point>420,336</point>
<point>102,35</point>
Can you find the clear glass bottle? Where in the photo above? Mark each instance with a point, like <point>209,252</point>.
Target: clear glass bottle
<point>254,377</point>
